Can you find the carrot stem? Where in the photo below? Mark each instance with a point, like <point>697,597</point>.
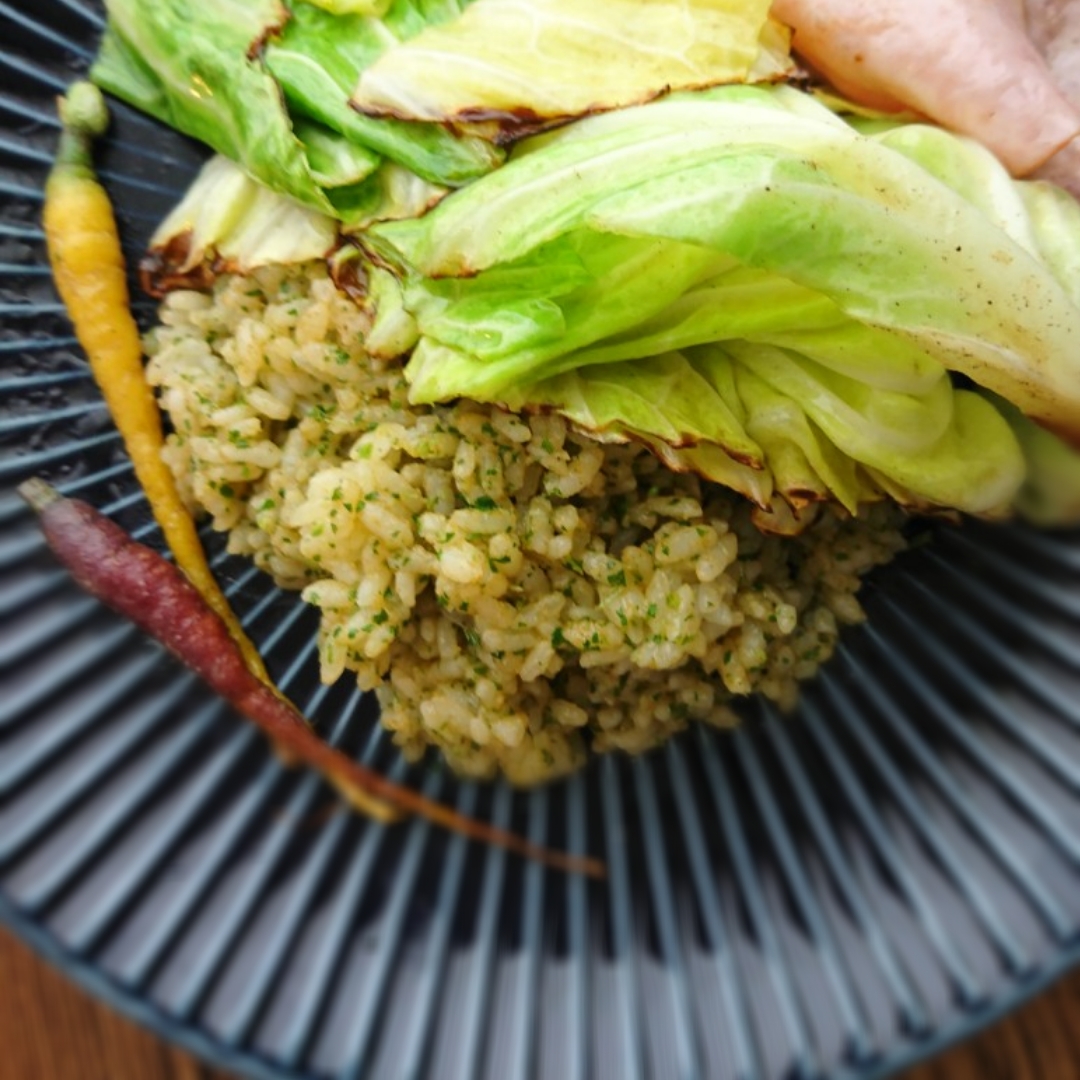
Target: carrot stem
<point>83,117</point>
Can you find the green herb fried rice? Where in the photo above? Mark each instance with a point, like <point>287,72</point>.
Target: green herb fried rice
<point>514,591</point>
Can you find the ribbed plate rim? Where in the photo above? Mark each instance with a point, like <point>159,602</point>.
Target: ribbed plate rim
<point>215,1052</point>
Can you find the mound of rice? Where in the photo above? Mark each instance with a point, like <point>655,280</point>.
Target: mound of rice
<point>512,590</point>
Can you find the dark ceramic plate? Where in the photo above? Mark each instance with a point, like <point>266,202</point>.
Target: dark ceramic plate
<point>832,894</point>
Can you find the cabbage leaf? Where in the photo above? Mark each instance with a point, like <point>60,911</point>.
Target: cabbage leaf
<point>189,66</point>
<point>334,163</point>
<point>227,219</point>
<point>830,279</point>
<point>352,7</point>
<point>521,65</point>
<point>664,397</point>
<point>1050,494</point>
<point>266,84</point>
<point>317,58</point>
<point>946,448</point>
<point>772,181</point>
<point>390,193</point>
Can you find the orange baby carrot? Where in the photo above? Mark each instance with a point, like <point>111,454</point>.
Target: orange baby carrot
<point>88,267</point>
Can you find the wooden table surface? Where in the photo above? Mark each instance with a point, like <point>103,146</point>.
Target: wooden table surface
<point>50,1030</point>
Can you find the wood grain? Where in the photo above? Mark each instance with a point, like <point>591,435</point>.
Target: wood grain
<point>50,1030</point>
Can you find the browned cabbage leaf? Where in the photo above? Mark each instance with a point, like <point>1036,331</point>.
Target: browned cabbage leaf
<point>507,66</point>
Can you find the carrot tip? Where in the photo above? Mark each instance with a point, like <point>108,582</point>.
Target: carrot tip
<point>586,865</point>
<point>38,493</point>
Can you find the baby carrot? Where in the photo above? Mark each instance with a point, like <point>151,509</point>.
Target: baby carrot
<point>88,267</point>
<point>138,583</point>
